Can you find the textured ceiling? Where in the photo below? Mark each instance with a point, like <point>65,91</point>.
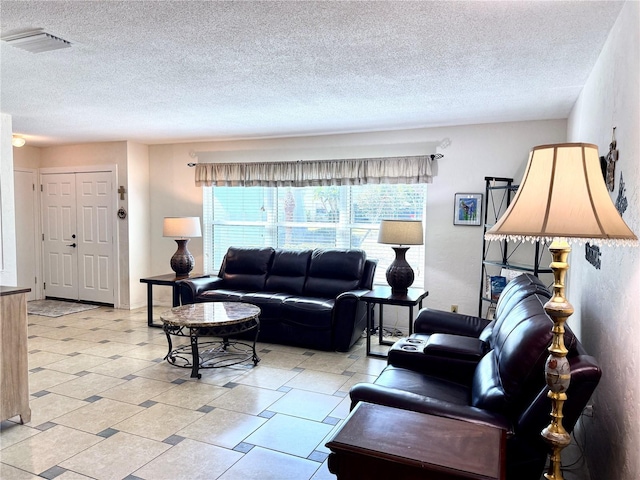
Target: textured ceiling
<point>178,71</point>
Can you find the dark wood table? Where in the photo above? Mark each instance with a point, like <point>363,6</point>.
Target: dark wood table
<point>379,442</point>
<point>170,280</point>
<point>382,295</point>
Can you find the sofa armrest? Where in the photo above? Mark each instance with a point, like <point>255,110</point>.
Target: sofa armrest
<point>439,321</point>
<point>191,288</point>
<point>445,345</point>
<point>392,397</point>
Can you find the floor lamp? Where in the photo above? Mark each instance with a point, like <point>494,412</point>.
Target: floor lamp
<point>562,199</point>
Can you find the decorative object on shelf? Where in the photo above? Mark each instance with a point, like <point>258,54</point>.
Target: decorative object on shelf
<point>562,198</point>
<point>498,283</point>
<point>612,158</point>
<point>467,209</point>
<point>183,227</point>
<point>400,232</point>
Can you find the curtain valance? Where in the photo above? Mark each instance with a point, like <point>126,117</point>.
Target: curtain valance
<point>306,173</point>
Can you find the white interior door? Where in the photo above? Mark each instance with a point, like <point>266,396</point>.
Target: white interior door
<point>95,236</point>
<point>27,249</point>
<point>78,236</point>
<point>60,238</point>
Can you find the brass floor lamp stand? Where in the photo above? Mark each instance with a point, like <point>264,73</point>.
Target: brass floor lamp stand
<point>557,370</point>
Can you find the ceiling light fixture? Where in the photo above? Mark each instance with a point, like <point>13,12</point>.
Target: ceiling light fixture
<point>18,141</point>
<point>36,41</point>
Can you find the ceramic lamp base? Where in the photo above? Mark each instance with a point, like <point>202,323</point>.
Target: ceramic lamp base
<point>400,275</point>
<point>182,261</point>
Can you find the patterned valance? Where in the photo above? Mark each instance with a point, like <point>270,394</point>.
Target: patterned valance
<point>306,173</point>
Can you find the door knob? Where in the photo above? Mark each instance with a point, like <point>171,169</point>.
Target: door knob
<point>72,245</point>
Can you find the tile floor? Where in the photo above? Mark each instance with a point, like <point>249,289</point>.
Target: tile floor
<point>105,405</point>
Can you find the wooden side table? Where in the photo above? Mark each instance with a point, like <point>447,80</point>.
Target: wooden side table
<point>170,280</point>
<point>379,442</point>
<point>382,295</point>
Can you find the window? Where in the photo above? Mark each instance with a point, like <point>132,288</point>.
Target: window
<point>310,217</point>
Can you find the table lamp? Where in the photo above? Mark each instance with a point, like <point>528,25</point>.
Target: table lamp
<point>182,227</point>
<point>400,232</point>
<point>562,199</point>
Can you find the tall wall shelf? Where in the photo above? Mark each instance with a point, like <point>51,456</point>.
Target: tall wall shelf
<point>514,256</point>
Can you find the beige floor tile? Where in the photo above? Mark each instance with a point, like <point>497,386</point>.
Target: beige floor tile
<point>224,428</point>
<point>147,352</point>
<point>7,472</point>
<point>322,446</point>
<point>51,406</point>
<point>96,336</point>
<point>321,382</point>
<point>45,379</point>
<point>58,333</point>
<point>77,363</point>
<point>121,367</point>
<point>267,377</point>
<point>126,454</point>
<point>246,399</point>
<point>295,436</point>
<point>191,395</point>
<point>343,409</point>
<point>205,462</point>
<point>328,362</point>
<point>108,349</point>
<point>369,365</point>
<point>165,372</point>
<point>11,433</point>
<point>323,473</point>
<point>357,378</point>
<point>263,464</point>
<point>41,452</point>
<point>69,475</point>
<point>304,404</point>
<point>98,416</point>
<point>43,344</point>
<point>42,359</point>
<point>86,386</point>
<point>89,323</point>
<point>64,348</point>
<point>277,359</point>
<point>159,421</point>
<point>137,390</point>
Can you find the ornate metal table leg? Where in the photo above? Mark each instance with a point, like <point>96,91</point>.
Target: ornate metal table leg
<point>193,335</point>
<point>166,327</point>
<point>255,358</point>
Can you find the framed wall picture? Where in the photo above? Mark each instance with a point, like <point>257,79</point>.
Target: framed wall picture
<point>467,209</point>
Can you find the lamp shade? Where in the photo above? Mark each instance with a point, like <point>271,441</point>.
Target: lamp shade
<point>563,196</point>
<point>401,232</point>
<point>181,227</point>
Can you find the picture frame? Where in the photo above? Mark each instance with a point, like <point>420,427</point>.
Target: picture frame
<point>467,209</point>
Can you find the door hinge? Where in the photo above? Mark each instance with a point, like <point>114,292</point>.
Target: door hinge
<point>43,237</point>
<point>35,280</point>
<point>33,187</point>
<point>41,189</point>
<point>45,285</point>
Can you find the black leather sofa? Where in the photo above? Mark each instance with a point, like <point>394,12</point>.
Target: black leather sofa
<point>308,298</point>
<point>468,368</point>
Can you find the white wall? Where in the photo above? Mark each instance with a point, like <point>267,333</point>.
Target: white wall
<point>453,253</point>
<point>8,257</point>
<point>607,301</point>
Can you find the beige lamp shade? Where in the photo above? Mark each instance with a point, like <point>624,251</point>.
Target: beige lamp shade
<point>181,227</point>
<point>401,232</point>
<point>563,196</point>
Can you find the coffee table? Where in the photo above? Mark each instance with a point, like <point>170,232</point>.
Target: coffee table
<point>211,319</point>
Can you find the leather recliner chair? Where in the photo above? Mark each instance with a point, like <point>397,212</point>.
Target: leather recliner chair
<point>492,373</point>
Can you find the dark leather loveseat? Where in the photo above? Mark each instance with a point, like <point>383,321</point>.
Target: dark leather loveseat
<point>308,298</point>
<point>468,368</point>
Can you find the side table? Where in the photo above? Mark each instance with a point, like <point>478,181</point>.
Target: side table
<point>378,442</point>
<point>382,295</point>
<point>170,280</point>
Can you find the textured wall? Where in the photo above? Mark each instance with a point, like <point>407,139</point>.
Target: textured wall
<point>607,301</point>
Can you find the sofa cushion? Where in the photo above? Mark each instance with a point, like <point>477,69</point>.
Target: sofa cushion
<point>288,271</point>
<point>332,272</point>
<point>312,313</point>
<point>270,303</point>
<point>246,268</point>
<point>221,295</point>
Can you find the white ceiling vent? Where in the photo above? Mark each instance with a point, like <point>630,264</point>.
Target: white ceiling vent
<point>36,41</point>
